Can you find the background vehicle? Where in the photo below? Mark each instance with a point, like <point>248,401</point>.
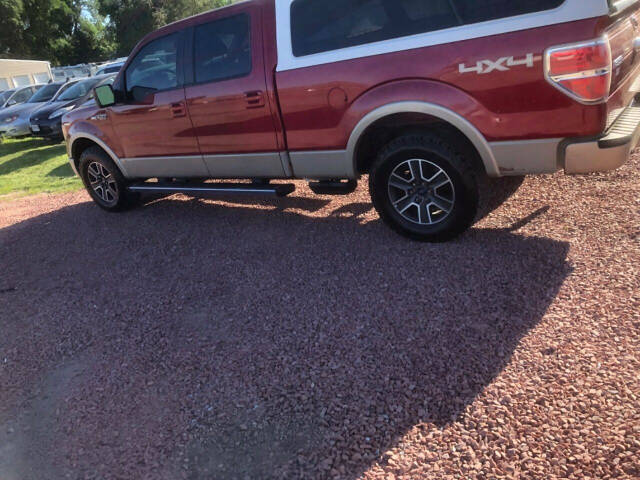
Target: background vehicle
<point>46,122</point>
<point>20,95</point>
<point>110,68</point>
<point>427,98</point>
<point>14,121</point>
<point>4,96</point>
<point>64,74</point>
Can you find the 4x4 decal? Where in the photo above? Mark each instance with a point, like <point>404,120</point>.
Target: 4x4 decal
<point>503,64</point>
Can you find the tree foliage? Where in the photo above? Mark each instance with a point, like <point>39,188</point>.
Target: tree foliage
<point>68,32</point>
<point>130,20</point>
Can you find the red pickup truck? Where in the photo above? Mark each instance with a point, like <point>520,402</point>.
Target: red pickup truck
<point>424,97</point>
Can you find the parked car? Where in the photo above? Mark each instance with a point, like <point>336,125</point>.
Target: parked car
<point>14,121</point>
<point>46,122</point>
<point>4,96</point>
<point>110,68</point>
<point>424,97</point>
<point>20,95</point>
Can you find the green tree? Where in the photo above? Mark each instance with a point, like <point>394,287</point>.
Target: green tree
<point>67,32</point>
<point>131,20</point>
<point>11,28</point>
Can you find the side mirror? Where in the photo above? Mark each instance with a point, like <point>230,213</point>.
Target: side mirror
<point>11,103</point>
<point>105,96</point>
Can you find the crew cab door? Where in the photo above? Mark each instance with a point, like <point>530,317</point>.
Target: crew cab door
<point>227,95</point>
<point>153,125</point>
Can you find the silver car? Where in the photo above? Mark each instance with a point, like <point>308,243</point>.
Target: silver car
<point>14,121</point>
<point>20,95</point>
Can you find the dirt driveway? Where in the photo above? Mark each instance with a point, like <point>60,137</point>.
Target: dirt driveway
<point>299,338</point>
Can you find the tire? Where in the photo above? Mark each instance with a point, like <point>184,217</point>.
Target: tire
<point>439,185</point>
<point>104,181</point>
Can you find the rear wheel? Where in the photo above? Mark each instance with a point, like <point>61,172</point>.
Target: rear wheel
<point>424,189</point>
<point>104,181</point>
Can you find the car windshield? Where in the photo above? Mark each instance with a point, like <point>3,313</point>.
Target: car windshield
<point>4,96</point>
<point>80,89</point>
<point>45,94</point>
<point>64,88</point>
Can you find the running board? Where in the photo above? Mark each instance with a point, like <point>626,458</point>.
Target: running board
<point>279,190</point>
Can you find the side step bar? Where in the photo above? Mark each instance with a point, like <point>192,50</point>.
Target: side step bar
<point>279,190</point>
<point>333,187</point>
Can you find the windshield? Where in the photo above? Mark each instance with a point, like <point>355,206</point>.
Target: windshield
<point>64,88</point>
<point>5,96</point>
<point>45,93</point>
<point>80,89</point>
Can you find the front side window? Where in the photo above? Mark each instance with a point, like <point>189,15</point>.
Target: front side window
<point>222,49</point>
<point>325,25</point>
<point>155,68</point>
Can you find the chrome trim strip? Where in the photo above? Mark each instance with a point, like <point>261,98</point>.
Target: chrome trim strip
<point>586,74</point>
<point>175,189</point>
<point>431,109</point>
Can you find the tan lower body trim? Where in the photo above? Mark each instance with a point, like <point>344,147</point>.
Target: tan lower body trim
<point>322,165</point>
<point>527,157</point>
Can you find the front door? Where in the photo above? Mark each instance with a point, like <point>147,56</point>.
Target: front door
<point>153,125</point>
<point>227,98</point>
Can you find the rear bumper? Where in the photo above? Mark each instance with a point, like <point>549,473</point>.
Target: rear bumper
<point>607,153</point>
<point>573,155</point>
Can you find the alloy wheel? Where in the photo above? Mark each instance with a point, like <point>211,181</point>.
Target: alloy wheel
<point>103,183</point>
<point>421,192</point>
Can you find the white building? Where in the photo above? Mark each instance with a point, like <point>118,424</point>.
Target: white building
<point>20,73</point>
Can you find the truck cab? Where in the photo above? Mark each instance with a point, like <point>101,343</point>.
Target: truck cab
<point>424,98</point>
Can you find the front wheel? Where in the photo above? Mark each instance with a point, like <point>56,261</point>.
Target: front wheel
<point>424,189</point>
<point>104,181</point>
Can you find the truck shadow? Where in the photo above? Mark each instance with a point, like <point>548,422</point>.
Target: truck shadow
<point>300,346</point>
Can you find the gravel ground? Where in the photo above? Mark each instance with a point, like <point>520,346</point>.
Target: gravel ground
<point>299,338</point>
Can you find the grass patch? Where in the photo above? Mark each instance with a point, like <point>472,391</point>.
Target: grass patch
<point>35,166</point>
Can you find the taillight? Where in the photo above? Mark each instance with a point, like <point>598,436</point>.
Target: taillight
<point>582,70</point>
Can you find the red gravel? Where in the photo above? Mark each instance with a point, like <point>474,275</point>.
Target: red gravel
<point>299,338</point>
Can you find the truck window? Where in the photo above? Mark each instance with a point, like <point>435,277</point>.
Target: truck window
<point>223,49</point>
<point>324,25</point>
<point>155,68</point>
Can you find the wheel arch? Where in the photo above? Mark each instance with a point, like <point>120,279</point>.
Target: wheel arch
<point>82,141</point>
<point>413,115</point>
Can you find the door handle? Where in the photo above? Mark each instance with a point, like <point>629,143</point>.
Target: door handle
<point>178,110</point>
<point>254,99</point>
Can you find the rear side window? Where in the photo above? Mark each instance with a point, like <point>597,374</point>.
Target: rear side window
<point>324,25</point>
<point>222,49</point>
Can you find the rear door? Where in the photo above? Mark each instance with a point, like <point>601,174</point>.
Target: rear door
<point>152,125</point>
<point>227,99</point>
